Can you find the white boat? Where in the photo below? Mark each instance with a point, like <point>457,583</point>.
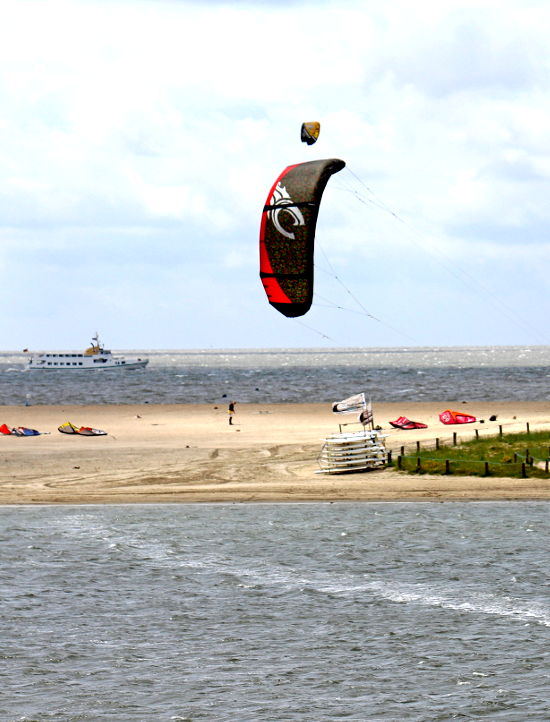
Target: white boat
<point>96,357</point>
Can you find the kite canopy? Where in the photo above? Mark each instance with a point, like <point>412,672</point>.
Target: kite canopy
<point>70,428</point>
<point>455,417</point>
<point>18,431</point>
<point>287,234</point>
<point>404,423</point>
<point>310,132</point>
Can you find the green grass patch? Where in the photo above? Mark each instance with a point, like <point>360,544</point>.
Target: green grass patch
<point>489,456</point>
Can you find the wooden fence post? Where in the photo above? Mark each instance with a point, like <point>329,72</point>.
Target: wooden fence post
<point>500,429</point>
<point>418,463</point>
<point>486,468</point>
<point>523,472</point>
<point>437,443</point>
<point>447,466</point>
<point>399,462</point>
<point>454,438</point>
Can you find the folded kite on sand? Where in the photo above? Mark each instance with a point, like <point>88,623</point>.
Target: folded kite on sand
<point>455,417</point>
<point>19,431</point>
<point>404,423</point>
<point>69,428</point>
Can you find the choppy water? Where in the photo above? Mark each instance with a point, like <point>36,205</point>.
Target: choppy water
<point>293,612</point>
<point>308,375</point>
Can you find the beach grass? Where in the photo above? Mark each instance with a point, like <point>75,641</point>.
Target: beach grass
<point>514,455</point>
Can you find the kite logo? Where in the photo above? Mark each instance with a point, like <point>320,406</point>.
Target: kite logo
<point>284,204</point>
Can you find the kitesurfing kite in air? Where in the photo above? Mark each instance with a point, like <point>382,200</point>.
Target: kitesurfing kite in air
<point>310,132</point>
<point>287,234</point>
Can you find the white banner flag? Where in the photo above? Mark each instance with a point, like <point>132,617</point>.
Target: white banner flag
<point>351,405</point>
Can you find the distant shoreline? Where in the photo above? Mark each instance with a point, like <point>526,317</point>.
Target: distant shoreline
<point>189,453</point>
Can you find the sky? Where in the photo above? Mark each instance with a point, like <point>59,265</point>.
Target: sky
<point>139,140</point>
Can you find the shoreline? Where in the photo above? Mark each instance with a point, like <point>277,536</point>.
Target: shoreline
<point>178,453</point>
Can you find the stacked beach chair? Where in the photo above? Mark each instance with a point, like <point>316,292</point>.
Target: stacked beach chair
<point>349,452</point>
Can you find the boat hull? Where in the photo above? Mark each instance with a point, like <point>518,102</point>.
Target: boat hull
<point>126,365</point>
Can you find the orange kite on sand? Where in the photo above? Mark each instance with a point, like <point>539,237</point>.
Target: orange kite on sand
<point>455,417</point>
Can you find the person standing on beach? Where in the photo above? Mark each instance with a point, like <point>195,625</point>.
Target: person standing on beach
<point>231,411</point>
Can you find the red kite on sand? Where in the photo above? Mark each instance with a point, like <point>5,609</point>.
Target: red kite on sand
<point>455,417</point>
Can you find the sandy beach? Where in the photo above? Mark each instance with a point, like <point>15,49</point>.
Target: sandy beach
<point>190,453</point>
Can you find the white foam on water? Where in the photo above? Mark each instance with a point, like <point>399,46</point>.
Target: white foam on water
<point>436,595</point>
<point>478,602</point>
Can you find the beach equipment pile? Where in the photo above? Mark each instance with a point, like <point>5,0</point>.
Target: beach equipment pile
<point>354,451</point>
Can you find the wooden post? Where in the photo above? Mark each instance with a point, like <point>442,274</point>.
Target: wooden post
<point>527,427</point>
<point>402,451</point>
<point>418,463</point>
<point>500,429</point>
<point>515,457</point>
<point>389,458</point>
<point>399,462</point>
<point>437,443</point>
<point>454,438</point>
<point>447,466</point>
<point>477,433</point>
<point>486,468</point>
<point>417,446</point>
<point>523,472</point>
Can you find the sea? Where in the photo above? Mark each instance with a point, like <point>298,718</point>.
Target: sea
<point>492,373</point>
<point>421,612</point>
<point>278,612</point>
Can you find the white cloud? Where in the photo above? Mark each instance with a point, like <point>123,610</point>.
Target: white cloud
<point>145,134</point>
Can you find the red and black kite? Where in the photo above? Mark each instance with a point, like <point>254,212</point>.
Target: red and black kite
<point>287,234</point>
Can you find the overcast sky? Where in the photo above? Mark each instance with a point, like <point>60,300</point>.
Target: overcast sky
<point>139,140</point>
